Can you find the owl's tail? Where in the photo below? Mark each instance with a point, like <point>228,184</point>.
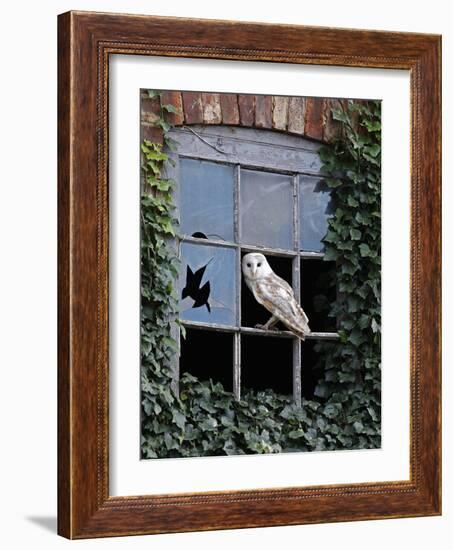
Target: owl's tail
<point>298,332</point>
<point>299,325</point>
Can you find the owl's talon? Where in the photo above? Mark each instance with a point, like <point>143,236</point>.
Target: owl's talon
<point>264,327</point>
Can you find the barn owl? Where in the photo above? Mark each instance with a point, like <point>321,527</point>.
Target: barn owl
<point>275,294</point>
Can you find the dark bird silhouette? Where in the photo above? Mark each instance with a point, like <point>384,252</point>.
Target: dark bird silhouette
<point>199,295</point>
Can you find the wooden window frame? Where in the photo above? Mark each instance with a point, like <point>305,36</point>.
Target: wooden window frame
<point>85,507</point>
<point>208,137</point>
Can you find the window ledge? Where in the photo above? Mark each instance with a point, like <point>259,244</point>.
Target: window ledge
<point>260,331</point>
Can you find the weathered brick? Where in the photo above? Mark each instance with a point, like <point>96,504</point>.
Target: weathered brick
<point>230,110</point>
<point>150,109</point>
<point>175,99</point>
<point>263,111</point>
<point>332,128</point>
<point>296,115</point>
<point>314,117</point>
<point>193,112</point>
<point>280,112</point>
<point>246,103</point>
<point>152,133</point>
<point>212,113</point>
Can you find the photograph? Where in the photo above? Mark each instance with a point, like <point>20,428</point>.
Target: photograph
<point>260,274</point>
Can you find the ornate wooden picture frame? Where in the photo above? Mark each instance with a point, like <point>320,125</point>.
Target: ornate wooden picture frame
<point>85,507</point>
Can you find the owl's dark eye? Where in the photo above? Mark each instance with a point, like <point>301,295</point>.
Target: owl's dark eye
<point>249,265</point>
<point>259,265</point>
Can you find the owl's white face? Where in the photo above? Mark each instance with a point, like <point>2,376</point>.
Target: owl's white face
<point>255,266</point>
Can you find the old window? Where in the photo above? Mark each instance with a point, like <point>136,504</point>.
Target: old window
<point>243,190</point>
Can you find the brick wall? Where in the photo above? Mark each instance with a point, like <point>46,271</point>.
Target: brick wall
<point>304,116</point>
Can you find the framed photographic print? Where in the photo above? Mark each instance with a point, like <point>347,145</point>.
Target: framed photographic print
<point>249,275</point>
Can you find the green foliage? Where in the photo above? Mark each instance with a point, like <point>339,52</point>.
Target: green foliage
<point>207,420</point>
<point>159,270</point>
<point>351,374</point>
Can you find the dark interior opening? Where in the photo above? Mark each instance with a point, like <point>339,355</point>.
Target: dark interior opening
<point>267,363</point>
<point>252,312</point>
<point>208,354</point>
<point>318,292</point>
<point>311,370</point>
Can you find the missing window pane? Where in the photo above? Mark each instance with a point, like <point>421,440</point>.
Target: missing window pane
<point>314,366</point>
<point>318,292</point>
<point>267,363</point>
<point>252,312</point>
<point>207,354</point>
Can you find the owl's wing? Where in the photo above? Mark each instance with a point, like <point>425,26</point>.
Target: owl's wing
<point>277,296</point>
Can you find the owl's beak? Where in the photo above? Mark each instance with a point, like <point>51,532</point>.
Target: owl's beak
<point>254,271</point>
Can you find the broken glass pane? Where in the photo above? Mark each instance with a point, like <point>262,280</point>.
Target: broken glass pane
<point>206,199</point>
<point>266,209</point>
<point>315,209</point>
<point>207,286</point>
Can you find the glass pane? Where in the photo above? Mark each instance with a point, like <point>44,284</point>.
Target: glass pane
<point>207,285</point>
<point>266,209</point>
<point>315,209</point>
<point>206,199</point>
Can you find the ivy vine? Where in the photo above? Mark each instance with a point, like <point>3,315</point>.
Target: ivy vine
<point>351,373</point>
<point>204,419</point>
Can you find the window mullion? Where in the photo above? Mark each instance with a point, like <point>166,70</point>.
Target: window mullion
<point>237,336</point>
<point>297,347</point>
<point>237,365</point>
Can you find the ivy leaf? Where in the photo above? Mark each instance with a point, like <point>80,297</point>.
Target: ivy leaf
<point>358,427</point>
<point>330,255</point>
<point>171,108</point>
<point>375,326</point>
<point>208,424</point>
<point>356,337</point>
<point>182,328</point>
<point>296,434</point>
<point>170,442</point>
<point>171,143</point>
<point>168,228</point>
<point>373,150</point>
<point>340,115</point>
<point>349,269</point>
<point>333,182</point>
<point>179,419</point>
<point>164,125</point>
<point>163,185</point>
<point>356,235</point>
<point>332,410</point>
<point>362,219</point>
